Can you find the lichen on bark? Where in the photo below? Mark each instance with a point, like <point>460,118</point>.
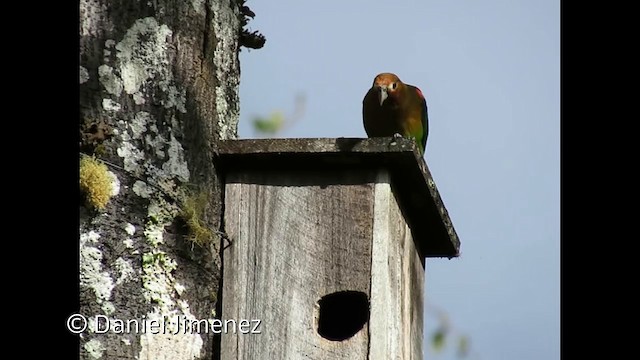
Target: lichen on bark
<point>163,99</point>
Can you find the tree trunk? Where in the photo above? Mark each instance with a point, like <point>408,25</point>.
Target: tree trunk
<point>158,88</point>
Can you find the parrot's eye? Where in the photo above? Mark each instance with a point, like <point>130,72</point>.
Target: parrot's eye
<point>394,86</point>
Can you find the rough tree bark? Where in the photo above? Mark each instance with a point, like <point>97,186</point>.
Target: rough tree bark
<point>158,87</point>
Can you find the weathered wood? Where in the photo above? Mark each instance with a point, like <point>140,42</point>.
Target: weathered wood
<point>311,217</point>
<point>397,278</point>
<point>296,237</point>
<point>412,183</point>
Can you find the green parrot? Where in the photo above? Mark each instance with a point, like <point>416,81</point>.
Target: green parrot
<point>393,108</point>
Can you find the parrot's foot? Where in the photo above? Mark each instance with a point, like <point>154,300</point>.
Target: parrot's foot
<point>395,137</point>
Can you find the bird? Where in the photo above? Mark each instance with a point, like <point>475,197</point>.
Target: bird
<point>393,108</point>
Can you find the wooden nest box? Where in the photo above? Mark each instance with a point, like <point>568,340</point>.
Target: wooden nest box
<point>328,240</point>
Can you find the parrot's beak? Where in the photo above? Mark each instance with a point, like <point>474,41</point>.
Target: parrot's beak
<point>383,94</point>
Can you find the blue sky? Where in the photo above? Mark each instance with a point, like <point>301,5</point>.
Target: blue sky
<point>490,71</point>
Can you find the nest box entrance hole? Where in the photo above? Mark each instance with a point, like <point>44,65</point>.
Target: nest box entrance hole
<point>342,314</point>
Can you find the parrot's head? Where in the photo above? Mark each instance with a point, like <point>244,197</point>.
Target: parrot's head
<point>387,85</point>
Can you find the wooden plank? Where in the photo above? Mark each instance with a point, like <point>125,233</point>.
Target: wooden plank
<point>397,275</point>
<point>307,146</point>
<point>296,236</point>
<point>412,296</point>
<point>416,301</point>
<point>412,182</point>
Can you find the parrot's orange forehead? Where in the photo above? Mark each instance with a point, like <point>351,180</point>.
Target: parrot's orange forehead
<point>385,79</point>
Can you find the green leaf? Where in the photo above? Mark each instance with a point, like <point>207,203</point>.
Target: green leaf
<point>438,339</point>
<point>269,125</point>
